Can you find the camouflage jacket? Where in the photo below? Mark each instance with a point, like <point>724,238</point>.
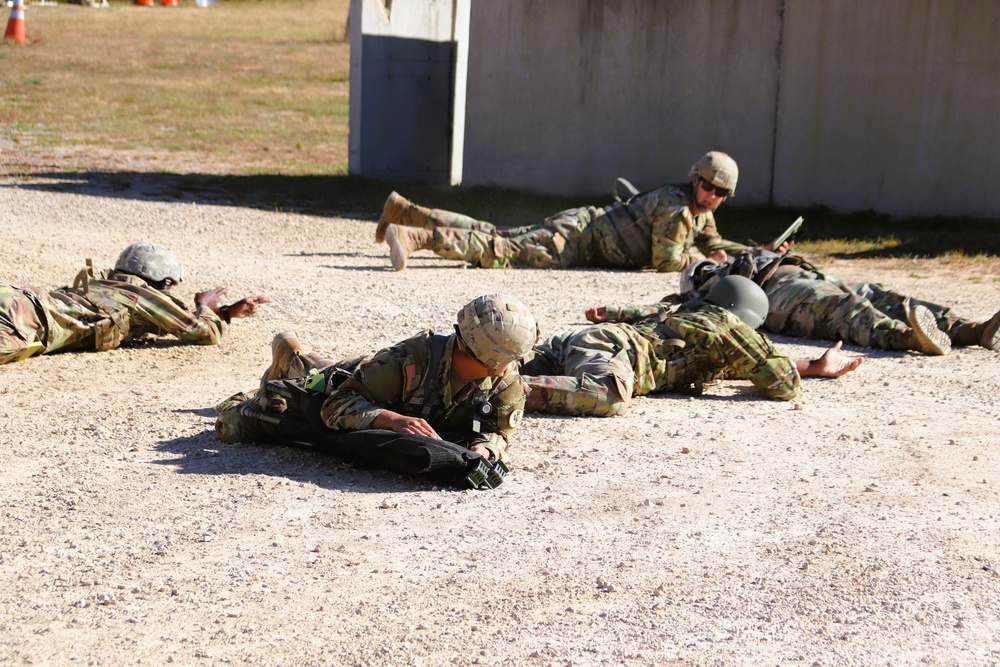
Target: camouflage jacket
<point>102,313</point>
<point>411,379</point>
<point>733,349</point>
<point>672,229</point>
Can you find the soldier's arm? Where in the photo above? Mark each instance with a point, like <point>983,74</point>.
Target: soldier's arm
<point>620,313</point>
<point>509,403</point>
<point>171,317</point>
<point>708,240</point>
<point>375,386</point>
<point>671,228</point>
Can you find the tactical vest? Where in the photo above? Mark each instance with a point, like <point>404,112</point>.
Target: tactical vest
<point>687,370</point>
<point>623,235</point>
<point>114,327</point>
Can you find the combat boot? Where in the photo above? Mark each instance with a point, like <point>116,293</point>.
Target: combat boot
<point>989,337</point>
<point>926,337</point>
<point>403,241</point>
<point>398,210</point>
<point>285,350</point>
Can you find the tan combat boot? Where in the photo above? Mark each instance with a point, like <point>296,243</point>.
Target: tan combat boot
<point>285,350</point>
<point>403,241</point>
<point>398,210</point>
<point>990,335</point>
<point>927,337</point>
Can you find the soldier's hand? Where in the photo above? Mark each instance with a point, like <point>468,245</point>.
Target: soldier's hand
<point>393,421</point>
<point>597,314</point>
<point>832,364</point>
<point>719,256</point>
<point>781,249</point>
<point>482,451</point>
<point>210,298</point>
<point>248,306</point>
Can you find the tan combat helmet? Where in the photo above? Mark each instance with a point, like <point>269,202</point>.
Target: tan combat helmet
<point>742,297</point>
<point>497,329</point>
<point>717,168</point>
<point>151,262</point>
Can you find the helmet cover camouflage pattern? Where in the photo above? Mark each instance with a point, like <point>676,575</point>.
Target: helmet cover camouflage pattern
<point>497,328</point>
<point>717,168</point>
<point>150,261</point>
<point>742,297</point>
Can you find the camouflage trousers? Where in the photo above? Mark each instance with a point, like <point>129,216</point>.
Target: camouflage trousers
<point>810,305</point>
<point>583,373</point>
<point>33,322</point>
<point>565,240</point>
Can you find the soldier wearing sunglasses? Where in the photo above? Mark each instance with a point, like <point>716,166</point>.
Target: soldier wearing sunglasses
<point>665,229</point>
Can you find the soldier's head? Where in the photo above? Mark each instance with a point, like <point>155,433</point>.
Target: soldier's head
<point>713,178</point>
<point>742,297</point>
<point>151,262</point>
<point>495,330</point>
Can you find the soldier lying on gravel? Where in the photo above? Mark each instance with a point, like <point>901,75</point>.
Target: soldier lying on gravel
<point>428,403</point>
<point>118,306</point>
<point>804,302</point>
<point>670,347</point>
<point>665,228</point>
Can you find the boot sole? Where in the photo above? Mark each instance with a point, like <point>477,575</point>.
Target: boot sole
<point>932,340</point>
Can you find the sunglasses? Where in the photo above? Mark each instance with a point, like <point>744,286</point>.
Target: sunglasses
<point>711,187</point>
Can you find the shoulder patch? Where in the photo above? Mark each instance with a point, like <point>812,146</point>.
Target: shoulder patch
<point>515,418</point>
<point>410,371</point>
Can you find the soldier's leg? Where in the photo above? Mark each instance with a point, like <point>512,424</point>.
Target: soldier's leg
<point>894,304</point>
<point>400,211</point>
<point>833,312</point>
<point>595,377</point>
<point>562,241</point>
<point>21,331</point>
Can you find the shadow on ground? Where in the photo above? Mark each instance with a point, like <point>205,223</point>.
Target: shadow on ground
<point>856,236</point>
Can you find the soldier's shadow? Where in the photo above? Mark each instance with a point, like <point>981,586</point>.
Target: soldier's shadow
<point>204,454</point>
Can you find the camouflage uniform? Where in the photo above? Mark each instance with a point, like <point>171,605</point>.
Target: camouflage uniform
<point>654,229</point>
<point>96,314</point>
<point>804,302</point>
<point>643,350</point>
<point>414,378</point>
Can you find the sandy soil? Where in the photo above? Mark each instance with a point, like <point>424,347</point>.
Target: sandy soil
<point>858,525</point>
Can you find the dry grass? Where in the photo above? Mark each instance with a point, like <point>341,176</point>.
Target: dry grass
<point>250,98</point>
<point>238,88</point>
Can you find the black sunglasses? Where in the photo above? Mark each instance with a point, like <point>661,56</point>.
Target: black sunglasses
<point>712,187</point>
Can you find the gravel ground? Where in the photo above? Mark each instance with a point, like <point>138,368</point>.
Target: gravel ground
<point>858,525</point>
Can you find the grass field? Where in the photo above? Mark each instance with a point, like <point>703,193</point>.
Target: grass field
<point>251,97</point>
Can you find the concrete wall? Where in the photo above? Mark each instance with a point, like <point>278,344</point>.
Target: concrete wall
<point>566,95</point>
<point>853,104</point>
<point>403,59</point>
<point>891,106</point>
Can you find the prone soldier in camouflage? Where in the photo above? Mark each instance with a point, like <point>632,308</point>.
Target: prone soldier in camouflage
<point>664,228</point>
<point>463,388</point>
<point>675,347</point>
<point>119,306</point>
<point>805,302</point>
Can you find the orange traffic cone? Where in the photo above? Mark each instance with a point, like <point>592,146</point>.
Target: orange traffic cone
<point>146,3</point>
<point>15,24</point>
<point>168,3</point>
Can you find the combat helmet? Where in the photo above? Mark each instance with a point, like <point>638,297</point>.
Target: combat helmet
<point>151,262</point>
<point>497,329</point>
<point>698,274</point>
<point>717,168</point>
<point>742,297</point>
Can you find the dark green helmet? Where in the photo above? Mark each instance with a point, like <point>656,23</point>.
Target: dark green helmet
<point>742,297</point>
<point>150,262</point>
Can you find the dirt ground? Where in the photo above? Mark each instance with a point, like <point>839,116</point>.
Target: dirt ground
<point>858,525</point>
